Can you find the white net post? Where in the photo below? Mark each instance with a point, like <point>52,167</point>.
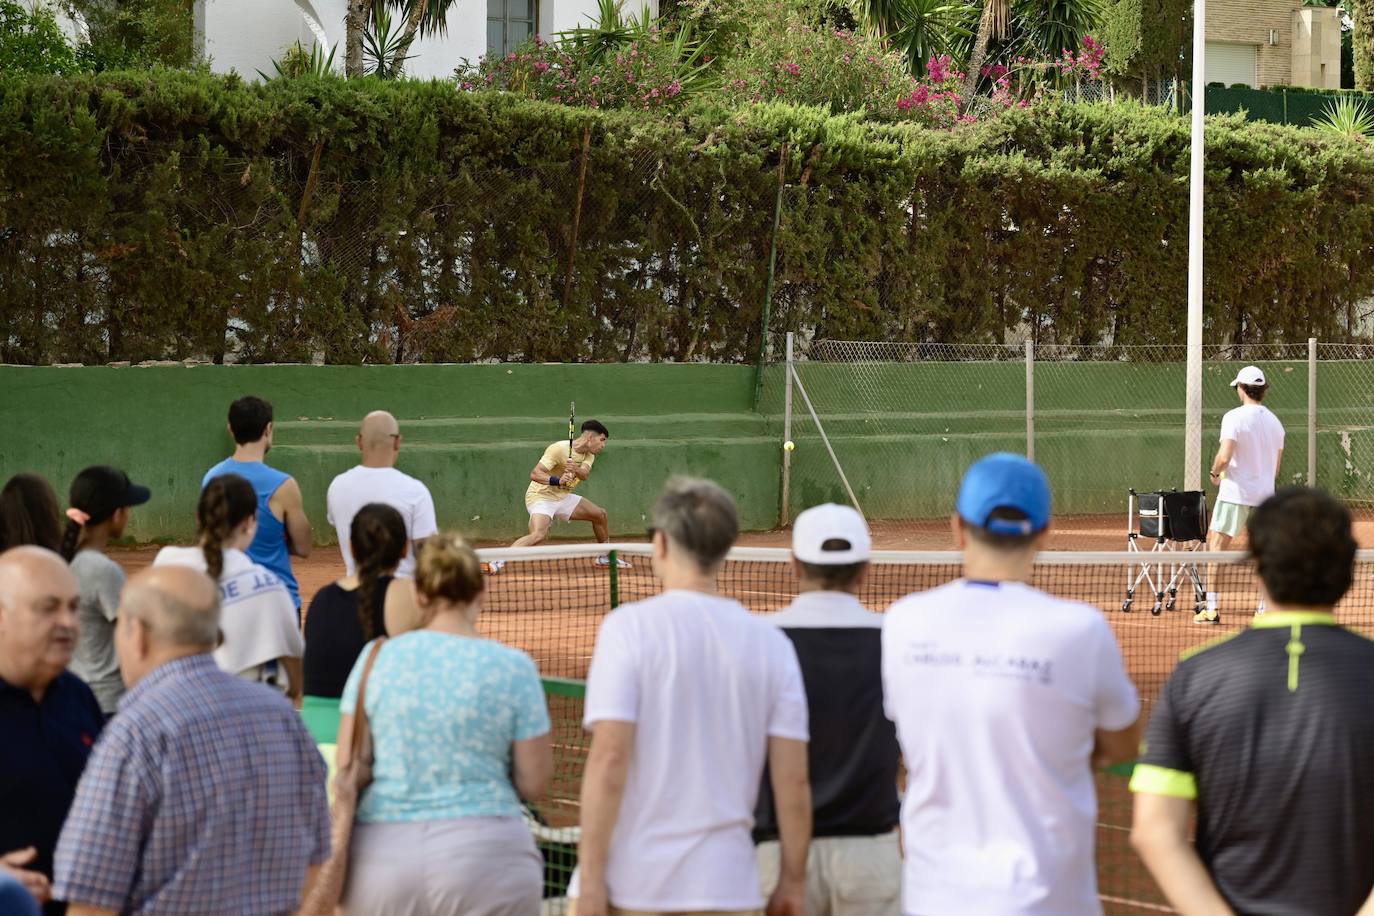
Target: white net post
<point>1311,411</point>
<point>1030,400</point>
<point>785,512</point>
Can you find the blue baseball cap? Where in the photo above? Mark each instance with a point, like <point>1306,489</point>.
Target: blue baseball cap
<point>1005,481</point>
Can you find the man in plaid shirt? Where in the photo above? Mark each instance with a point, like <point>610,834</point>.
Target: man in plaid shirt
<point>204,791</point>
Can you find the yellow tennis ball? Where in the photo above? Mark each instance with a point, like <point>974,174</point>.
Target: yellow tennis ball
<point>789,445</point>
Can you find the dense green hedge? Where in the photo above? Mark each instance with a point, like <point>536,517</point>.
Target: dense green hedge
<point>155,215</point>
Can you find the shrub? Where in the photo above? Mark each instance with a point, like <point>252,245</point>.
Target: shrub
<point>173,215</point>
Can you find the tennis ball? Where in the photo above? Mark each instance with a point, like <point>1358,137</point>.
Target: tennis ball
<point>789,445</point>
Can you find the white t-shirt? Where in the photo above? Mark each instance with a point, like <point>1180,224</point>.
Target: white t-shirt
<point>1258,434</point>
<point>706,684</point>
<point>357,487</point>
<point>996,691</point>
<point>257,615</point>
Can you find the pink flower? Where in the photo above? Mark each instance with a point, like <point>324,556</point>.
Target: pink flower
<point>596,81</point>
<point>792,68</point>
<point>541,66</point>
<point>674,89</point>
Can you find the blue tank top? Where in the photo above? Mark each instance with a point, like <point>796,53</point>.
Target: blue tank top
<point>269,545</point>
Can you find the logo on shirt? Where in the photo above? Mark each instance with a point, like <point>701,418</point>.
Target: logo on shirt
<point>245,585</point>
<point>1015,667</point>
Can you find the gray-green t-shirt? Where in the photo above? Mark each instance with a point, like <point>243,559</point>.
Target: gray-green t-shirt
<point>95,662</point>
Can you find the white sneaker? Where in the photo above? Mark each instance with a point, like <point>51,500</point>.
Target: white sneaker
<point>495,566</point>
<point>620,562</point>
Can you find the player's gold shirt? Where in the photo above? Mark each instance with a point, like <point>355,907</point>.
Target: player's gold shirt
<point>553,461</point>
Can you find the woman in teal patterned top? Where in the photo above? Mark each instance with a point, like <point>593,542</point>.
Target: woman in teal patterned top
<point>460,730</point>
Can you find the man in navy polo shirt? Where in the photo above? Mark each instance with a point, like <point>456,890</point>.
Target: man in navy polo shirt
<point>49,719</point>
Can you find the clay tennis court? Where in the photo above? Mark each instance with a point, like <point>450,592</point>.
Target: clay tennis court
<point>552,608</point>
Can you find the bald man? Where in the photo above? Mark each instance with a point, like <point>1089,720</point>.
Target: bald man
<point>204,787</point>
<point>376,480</point>
<point>49,719</point>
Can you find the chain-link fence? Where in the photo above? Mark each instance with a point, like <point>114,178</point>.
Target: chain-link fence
<point>893,426</point>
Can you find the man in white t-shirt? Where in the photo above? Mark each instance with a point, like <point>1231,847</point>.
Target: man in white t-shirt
<point>688,694</point>
<point>1244,470</point>
<point>376,480</point>
<point>1004,699</point>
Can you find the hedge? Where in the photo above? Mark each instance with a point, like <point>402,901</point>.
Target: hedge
<point>159,215</point>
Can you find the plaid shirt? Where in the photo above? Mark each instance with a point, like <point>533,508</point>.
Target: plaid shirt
<point>205,794</point>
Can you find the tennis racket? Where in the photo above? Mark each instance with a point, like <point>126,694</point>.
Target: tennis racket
<point>572,426</point>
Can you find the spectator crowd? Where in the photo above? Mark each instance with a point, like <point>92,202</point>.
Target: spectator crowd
<point>178,741</point>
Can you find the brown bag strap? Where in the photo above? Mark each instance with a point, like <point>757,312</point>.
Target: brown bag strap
<point>360,725</point>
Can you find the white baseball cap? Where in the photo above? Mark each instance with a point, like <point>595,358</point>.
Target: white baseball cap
<point>831,522</point>
<point>1250,375</point>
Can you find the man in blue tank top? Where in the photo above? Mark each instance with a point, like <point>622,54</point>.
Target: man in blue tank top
<point>283,529</point>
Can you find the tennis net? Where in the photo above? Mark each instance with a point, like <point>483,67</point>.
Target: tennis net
<point>550,602</point>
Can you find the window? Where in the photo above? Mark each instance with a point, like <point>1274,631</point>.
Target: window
<point>509,23</point>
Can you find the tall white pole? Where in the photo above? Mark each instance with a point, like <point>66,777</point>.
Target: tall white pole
<point>1192,447</point>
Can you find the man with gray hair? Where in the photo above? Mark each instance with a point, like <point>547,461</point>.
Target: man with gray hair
<point>204,787</point>
<point>688,694</point>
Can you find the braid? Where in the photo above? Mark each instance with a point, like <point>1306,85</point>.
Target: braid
<point>213,522</point>
<point>224,504</point>
<point>377,537</point>
<point>368,574</point>
<point>70,539</point>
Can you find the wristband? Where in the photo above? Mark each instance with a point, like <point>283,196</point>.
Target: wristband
<point>554,481</point>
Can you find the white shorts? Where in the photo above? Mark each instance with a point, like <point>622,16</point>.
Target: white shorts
<point>562,508</point>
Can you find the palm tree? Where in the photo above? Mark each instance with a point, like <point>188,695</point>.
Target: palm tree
<point>920,29</point>
<point>422,17</point>
<point>992,24</point>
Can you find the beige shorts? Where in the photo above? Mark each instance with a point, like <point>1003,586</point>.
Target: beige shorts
<point>561,508</point>
<point>845,875</point>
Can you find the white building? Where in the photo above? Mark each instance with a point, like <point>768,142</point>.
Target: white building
<point>245,36</point>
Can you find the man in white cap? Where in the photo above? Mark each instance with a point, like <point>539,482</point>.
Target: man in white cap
<point>1244,470</point>
<point>855,864</point>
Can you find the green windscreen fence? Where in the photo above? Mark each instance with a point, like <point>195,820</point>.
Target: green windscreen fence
<point>549,602</point>
<point>893,426</point>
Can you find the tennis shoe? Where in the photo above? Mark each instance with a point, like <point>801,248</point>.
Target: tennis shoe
<point>1207,617</point>
<point>620,562</point>
<point>495,566</point>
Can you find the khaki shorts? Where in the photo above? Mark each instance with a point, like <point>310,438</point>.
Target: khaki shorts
<point>1230,518</point>
<point>845,875</point>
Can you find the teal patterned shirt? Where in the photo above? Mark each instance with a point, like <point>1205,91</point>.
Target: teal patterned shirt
<point>444,710</point>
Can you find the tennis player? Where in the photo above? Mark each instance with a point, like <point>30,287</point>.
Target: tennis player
<point>1244,470</point>
<point>1004,698</point>
<point>1266,736</point>
<point>550,493</point>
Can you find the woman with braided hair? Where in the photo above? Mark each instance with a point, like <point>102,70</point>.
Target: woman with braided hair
<point>348,614</point>
<point>100,500</point>
<point>262,641</point>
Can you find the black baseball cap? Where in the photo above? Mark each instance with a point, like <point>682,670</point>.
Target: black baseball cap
<point>100,490</point>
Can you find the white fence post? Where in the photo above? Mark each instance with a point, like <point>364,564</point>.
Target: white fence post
<point>785,514</point>
<point>1311,411</point>
<point>1030,399</point>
